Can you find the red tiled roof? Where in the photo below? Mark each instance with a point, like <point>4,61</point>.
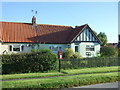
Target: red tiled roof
<point>42,33</point>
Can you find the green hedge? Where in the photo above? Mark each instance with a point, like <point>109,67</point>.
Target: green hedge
<point>89,62</point>
<point>41,61</point>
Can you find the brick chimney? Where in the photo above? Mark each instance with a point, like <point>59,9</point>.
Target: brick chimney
<point>34,21</point>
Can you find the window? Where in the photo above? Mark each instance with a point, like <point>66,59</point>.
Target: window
<point>88,53</point>
<point>33,46</point>
<point>60,48</point>
<point>76,48</point>
<point>55,48</point>
<point>68,46</point>
<point>22,48</point>
<point>38,46</point>
<point>16,48</point>
<point>89,48</point>
<point>10,48</point>
<point>50,47</point>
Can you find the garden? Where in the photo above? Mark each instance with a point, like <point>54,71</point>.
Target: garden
<point>39,69</point>
<point>64,79</point>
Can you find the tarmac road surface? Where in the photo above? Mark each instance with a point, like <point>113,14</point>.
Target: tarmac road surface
<point>102,85</point>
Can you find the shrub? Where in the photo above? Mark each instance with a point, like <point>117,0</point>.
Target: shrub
<point>38,61</point>
<point>76,55</point>
<point>109,51</point>
<point>119,52</point>
<point>69,53</point>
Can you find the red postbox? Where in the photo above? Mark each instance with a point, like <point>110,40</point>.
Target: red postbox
<point>60,54</point>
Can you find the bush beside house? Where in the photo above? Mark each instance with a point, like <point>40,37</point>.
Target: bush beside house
<point>69,53</point>
<point>109,51</point>
<point>38,61</point>
<point>119,52</point>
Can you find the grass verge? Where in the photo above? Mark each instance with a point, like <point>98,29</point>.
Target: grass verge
<point>62,73</point>
<point>63,82</point>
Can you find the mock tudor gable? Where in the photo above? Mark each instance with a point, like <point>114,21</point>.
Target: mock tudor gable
<point>86,35</point>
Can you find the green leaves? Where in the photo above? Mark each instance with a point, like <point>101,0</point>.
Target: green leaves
<point>109,51</point>
<point>38,61</point>
<point>69,53</point>
<point>89,62</point>
<point>103,37</point>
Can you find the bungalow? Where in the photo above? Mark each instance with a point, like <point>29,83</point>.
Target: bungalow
<point>23,37</point>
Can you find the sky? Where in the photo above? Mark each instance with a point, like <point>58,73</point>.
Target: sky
<point>100,16</point>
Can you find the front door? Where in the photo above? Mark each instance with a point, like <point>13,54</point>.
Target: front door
<point>76,48</point>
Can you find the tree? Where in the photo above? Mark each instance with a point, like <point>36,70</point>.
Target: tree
<point>103,37</point>
<point>109,51</point>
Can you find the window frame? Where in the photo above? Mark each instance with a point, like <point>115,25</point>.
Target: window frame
<point>12,48</point>
<point>88,54</point>
<point>90,48</point>
<point>55,47</point>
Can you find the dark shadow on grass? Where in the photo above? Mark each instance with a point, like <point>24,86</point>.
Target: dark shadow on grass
<point>64,72</point>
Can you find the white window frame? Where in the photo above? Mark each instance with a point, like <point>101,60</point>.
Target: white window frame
<point>90,47</point>
<point>52,47</point>
<point>88,54</point>
<point>13,46</point>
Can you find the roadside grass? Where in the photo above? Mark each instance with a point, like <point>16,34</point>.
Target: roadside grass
<point>62,73</point>
<point>63,82</point>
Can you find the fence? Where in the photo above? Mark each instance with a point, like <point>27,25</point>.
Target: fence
<point>89,62</point>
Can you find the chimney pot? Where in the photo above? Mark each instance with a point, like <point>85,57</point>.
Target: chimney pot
<point>34,21</point>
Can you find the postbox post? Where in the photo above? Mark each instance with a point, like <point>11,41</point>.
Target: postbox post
<point>59,65</point>
<point>59,57</point>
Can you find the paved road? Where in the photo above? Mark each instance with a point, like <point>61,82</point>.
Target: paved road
<point>103,85</point>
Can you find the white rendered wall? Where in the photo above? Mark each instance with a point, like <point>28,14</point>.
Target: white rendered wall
<point>82,48</point>
<point>5,48</point>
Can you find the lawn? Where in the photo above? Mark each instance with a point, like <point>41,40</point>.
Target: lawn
<point>62,73</point>
<point>63,82</point>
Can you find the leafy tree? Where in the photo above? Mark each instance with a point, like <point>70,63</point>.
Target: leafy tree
<point>103,37</point>
<point>109,51</point>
